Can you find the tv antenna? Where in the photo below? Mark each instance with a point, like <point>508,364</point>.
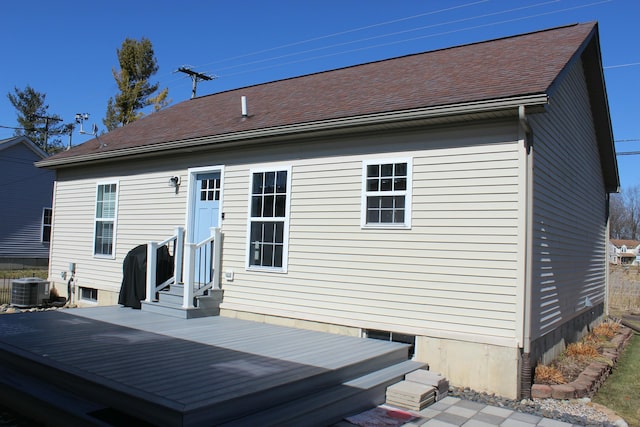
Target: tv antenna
<point>195,78</point>
<point>80,118</point>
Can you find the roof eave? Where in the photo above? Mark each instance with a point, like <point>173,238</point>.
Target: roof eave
<point>356,123</point>
<point>10,142</point>
<point>594,74</point>
<point>589,53</point>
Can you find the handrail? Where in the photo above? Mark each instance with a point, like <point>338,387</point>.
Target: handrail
<point>185,265</point>
<point>152,263</point>
<point>190,292</point>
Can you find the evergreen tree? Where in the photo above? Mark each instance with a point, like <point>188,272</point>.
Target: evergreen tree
<point>137,64</point>
<point>34,120</point>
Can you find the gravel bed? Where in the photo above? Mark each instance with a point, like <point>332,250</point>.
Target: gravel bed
<point>9,309</point>
<point>578,411</point>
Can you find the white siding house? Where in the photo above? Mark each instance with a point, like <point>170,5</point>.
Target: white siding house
<point>464,212</point>
<point>625,252</point>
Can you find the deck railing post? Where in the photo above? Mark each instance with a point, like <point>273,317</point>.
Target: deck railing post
<point>152,255</point>
<point>217,256</point>
<point>178,255</point>
<point>189,273</point>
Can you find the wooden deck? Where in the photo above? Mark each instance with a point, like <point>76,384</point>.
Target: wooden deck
<point>124,364</point>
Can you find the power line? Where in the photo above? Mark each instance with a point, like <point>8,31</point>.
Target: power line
<point>456,21</point>
<point>195,78</point>
<point>334,35</point>
<point>367,39</point>
<point>633,64</point>
<point>380,24</point>
<point>11,127</point>
<point>422,37</point>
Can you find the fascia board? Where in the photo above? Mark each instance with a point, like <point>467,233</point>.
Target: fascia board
<point>324,125</point>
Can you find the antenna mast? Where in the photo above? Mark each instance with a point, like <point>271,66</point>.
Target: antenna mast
<point>195,78</point>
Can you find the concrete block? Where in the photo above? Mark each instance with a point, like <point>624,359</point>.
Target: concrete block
<point>581,389</point>
<point>540,391</point>
<point>429,378</point>
<point>562,391</point>
<point>410,395</point>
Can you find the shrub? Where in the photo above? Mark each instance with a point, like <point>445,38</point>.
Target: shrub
<point>548,375</point>
<point>605,330</point>
<point>581,350</point>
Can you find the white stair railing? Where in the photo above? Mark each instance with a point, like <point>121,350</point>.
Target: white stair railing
<point>152,263</point>
<point>207,263</point>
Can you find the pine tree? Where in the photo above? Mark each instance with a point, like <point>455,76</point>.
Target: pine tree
<point>137,64</point>
<point>34,121</point>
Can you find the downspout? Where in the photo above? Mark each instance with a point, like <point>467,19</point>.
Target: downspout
<point>607,252</point>
<point>526,378</point>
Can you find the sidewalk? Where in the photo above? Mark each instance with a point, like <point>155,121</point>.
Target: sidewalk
<point>452,411</point>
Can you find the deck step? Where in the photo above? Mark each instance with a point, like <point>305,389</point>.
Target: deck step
<point>174,310</point>
<point>332,405</point>
<point>170,303</point>
<point>248,381</point>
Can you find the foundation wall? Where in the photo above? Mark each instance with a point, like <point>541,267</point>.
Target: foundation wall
<point>481,367</point>
<point>546,348</point>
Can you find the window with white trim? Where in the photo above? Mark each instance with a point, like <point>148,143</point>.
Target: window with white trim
<point>106,206</point>
<point>269,219</point>
<point>47,216</point>
<point>386,201</point>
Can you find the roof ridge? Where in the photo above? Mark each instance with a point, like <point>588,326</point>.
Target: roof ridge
<point>408,55</point>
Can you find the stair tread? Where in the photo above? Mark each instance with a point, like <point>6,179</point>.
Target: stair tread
<point>320,403</point>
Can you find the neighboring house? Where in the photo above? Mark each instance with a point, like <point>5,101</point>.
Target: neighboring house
<point>624,252</point>
<point>25,217</point>
<point>456,199</point>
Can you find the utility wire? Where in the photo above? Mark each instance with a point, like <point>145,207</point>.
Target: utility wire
<point>633,64</point>
<point>365,39</point>
<point>420,37</point>
<point>380,24</point>
<point>387,35</point>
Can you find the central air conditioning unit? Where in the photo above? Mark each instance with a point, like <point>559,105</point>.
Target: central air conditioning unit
<point>29,292</point>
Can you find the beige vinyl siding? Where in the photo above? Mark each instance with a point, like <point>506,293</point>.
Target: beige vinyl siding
<point>148,209</point>
<point>569,263</point>
<point>454,273</point>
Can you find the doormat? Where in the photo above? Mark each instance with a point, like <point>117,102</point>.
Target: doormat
<point>382,416</point>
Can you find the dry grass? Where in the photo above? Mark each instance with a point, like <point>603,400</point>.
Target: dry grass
<point>624,289</point>
<point>581,350</point>
<point>606,330</point>
<point>577,356</point>
<point>548,375</point>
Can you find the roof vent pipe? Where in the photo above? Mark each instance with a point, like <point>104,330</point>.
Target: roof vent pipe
<point>243,101</point>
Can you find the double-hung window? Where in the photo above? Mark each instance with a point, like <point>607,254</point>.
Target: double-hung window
<point>47,216</point>
<point>105,219</point>
<point>386,195</point>
<point>269,219</point>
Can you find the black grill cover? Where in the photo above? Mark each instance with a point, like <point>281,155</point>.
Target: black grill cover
<point>134,274</point>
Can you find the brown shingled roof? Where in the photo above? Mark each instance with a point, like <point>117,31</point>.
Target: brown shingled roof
<point>622,242</point>
<point>502,68</point>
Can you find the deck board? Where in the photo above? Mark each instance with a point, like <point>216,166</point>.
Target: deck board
<point>186,365</point>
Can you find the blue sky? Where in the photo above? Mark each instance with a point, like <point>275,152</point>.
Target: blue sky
<point>67,49</point>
